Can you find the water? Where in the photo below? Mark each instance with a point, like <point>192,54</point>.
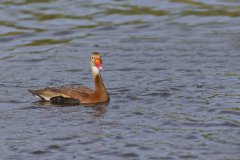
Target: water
<point>171,68</point>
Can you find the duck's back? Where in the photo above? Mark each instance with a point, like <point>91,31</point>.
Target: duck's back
<point>69,91</point>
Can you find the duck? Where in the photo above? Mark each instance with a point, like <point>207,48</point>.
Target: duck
<point>76,94</point>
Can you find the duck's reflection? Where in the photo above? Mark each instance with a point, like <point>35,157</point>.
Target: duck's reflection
<point>98,110</point>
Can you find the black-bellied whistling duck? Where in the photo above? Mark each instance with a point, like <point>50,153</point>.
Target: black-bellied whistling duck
<point>78,94</point>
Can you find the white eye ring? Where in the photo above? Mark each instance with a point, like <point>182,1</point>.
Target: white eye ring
<point>92,57</point>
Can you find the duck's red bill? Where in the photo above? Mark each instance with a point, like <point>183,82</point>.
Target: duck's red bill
<point>98,63</point>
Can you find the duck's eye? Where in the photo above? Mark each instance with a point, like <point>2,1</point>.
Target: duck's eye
<point>92,57</point>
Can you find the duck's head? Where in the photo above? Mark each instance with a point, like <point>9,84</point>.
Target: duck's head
<point>96,61</point>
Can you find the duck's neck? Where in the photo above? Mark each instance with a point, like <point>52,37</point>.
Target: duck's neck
<point>99,86</point>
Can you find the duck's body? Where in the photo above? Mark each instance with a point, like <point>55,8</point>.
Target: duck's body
<point>78,94</point>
